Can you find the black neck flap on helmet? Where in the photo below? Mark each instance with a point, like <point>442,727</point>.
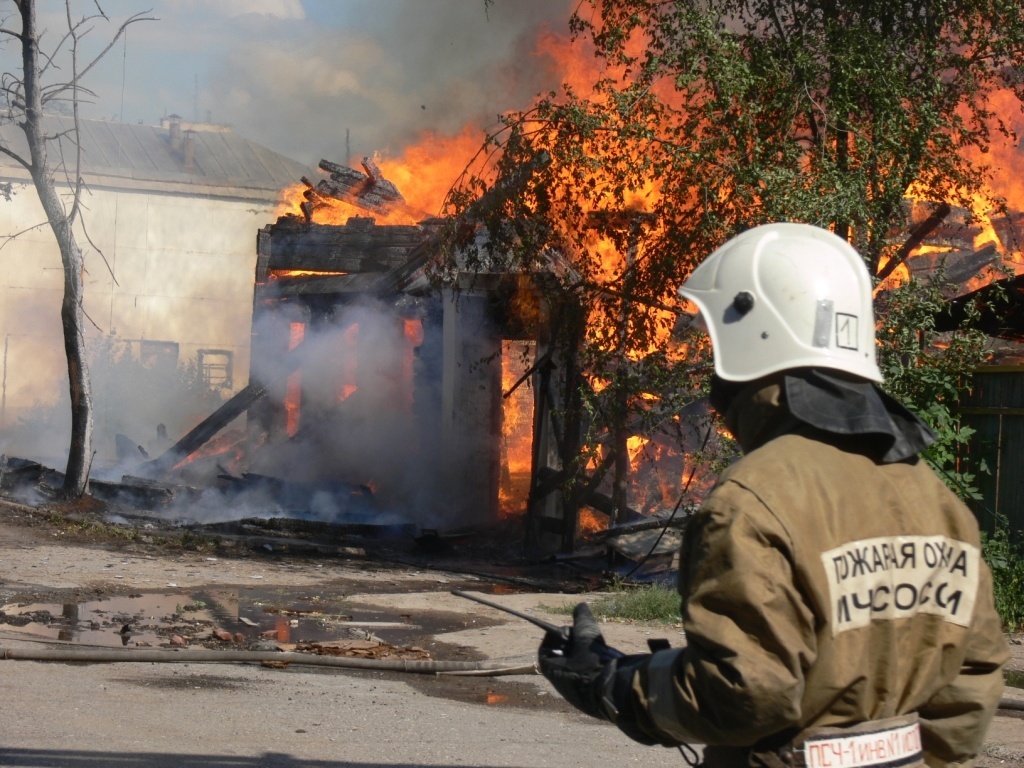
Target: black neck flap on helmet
<point>847,406</point>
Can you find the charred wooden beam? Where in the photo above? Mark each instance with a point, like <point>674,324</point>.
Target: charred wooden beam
<point>358,246</point>
<point>242,401</point>
<point>139,490</point>
<point>997,309</point>
<point>957,267</point>
<point>399,277</point>
<point>603,503</point>
<point>917,236</point>
<point>679,521</point>
<point>549,480</point>
<point>368,190</point>
<point>334,285</point>
<point>15,471</point>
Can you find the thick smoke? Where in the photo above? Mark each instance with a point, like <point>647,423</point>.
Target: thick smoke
<point>296,76</point>
<point>392,71</point>
<point>366,442</point>
<point>133,404</point>
<point>355,422</point>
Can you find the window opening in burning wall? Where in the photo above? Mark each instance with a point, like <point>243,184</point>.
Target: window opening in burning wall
<point>158,355</point>
<point>216,368</point>
<point>517,358</point>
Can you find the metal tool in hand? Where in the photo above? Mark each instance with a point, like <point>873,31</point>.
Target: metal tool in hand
<point>547,626</point>
<point>565,633</point>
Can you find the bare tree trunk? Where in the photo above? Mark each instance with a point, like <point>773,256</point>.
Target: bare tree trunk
<point>72,316</point>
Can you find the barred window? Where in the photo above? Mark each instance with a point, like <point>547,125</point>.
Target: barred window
<point>216,367</point>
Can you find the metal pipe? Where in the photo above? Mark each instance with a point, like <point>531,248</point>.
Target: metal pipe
<point>545,625</point>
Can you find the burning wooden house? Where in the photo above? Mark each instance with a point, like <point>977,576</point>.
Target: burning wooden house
<point>374,395</point>
<point>374,391</point>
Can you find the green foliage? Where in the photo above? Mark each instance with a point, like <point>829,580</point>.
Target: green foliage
<point>706,117</point>
<point>1005,558</point>
<point>65,521</point>
<point>651,603</point>
<point>928,370</point>
<point>196,542</point>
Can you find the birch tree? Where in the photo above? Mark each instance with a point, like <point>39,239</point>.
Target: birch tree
<point>40,84</point>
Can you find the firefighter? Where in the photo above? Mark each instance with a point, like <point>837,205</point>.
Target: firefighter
<point>836,606</point>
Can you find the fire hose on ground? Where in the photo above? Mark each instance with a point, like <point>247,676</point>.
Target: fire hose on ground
<point>466,668</point>
<point>429,667</point>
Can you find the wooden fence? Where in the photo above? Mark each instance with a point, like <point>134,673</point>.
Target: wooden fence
<point>994,407</point>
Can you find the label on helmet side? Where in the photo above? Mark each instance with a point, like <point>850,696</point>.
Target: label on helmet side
<point>895,577</point>
<point>846,331</point>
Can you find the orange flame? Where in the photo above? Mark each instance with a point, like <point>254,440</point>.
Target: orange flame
<point>517,427</point>
<point>424,174</point>
<point>345,391</point>
<point>591,521</point>
<point>412,336</point>
<point>346,354</point>
<point>1003,159</point>
<point>293,391</point>
<point>227,443</point>
<point>330,210</point>
<point>277,274</point>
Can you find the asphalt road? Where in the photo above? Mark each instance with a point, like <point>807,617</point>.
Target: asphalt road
<point>235,715</point>
<point>245,715</point>
<point>238,716</point>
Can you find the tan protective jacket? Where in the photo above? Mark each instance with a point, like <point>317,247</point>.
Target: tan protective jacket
<point>822,589</point>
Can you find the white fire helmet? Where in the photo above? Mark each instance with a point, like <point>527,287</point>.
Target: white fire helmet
<point>783,296</point>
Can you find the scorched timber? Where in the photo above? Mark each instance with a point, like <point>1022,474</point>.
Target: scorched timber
<point>368,190</point>
<point>358,246</point>
<point>957,266</point>
<point>203,432</point>
<point>242,401</point>
<point>332,285</point>
<point>350,182</point>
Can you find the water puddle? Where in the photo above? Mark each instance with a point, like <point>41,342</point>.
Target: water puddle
<point>243,617</point>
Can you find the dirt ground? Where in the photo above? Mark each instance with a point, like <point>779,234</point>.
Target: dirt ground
<point>66,584</point>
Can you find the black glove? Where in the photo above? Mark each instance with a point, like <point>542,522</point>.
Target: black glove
<point>579,663</point>
<point>592,676</point>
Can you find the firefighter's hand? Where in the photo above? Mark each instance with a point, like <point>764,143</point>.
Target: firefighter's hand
<point>579,663</point>
<point>592,676</point>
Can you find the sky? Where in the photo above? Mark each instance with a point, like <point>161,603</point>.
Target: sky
<point>294,75</point>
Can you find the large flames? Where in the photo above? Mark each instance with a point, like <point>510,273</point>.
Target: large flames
<point>425,173</point>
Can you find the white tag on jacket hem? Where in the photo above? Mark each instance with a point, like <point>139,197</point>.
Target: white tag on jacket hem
<point>890,747</point>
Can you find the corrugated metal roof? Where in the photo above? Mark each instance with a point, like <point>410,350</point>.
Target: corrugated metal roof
<point>141,157</point>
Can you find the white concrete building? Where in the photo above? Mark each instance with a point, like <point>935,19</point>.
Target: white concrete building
<point>168,227</point>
